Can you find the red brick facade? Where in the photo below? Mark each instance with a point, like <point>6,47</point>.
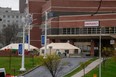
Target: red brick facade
<point>70,15</point>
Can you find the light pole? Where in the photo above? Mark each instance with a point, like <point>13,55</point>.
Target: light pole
<point>23,48</point>
<point>100,53</point>
<point>46,18</point>
<point>29,21</point>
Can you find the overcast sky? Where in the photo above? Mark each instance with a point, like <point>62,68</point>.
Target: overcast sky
<point>14,4</point>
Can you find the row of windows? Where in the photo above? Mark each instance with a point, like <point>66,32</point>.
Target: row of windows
<point>5,21</point>
<point>8,16</point>
<point>95,30</point>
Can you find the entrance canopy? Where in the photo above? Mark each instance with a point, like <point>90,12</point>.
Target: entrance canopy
<point>60,46</point>
<point>16,45</point>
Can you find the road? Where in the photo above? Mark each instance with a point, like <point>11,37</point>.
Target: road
<point>71,63</point>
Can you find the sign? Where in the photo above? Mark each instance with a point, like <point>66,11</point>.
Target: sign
<point>20,49</point>
<point>27,39</point>
<point>42,40</point>
<point>91,23</point>
<point>112,41</point>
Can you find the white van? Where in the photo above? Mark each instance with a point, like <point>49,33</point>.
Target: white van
<point>2,72</point>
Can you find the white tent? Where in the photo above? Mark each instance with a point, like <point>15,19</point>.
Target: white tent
<point>62,47</point>
<point>16,45</point>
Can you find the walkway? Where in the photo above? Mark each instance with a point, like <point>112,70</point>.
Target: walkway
<point>88,68</point>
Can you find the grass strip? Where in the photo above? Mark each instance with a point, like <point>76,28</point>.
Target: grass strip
<point>109,70</point>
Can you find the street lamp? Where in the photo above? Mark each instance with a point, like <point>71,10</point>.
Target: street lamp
<point>29,21</point>
<point>46,18</point>
<point>23,47</point>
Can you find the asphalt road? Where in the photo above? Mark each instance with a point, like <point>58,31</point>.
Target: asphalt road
<point>71,63</point>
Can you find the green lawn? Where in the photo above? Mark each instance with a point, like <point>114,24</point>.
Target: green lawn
<point>108,71</point>
<point>12,65</point>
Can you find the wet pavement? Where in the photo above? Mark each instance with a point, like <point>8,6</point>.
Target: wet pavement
<point>69,65</point>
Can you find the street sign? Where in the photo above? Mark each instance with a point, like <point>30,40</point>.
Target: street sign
<point>20,49</point>
<point>42,40</point>
<point>112,42</point>
<point>26,38</point>
<point>91,23</point>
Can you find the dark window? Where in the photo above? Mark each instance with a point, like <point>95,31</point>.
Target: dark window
<point>8,16</point>
<point>67,51</point>
<point>4,16</point>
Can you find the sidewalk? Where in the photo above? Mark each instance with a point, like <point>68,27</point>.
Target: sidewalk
<point>88,68</point>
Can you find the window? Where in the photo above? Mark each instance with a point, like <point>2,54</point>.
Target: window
<point>8,21</point>
<point>8,16</point>
<point>12,16</point>
<point>4,16</point>
<point>6,10</point>
<point>64,30</point>
<point>4,25</point>
<point>17,16</point>
<point>16,21</point>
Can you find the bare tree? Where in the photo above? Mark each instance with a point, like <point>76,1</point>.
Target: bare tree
<point>52,63</point>
<point>9,34</point>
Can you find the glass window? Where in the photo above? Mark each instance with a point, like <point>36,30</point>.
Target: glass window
<point>77,30</point>
<point>68,30</point>
<point>4,16</point>
<point>16,21</point>
<point>8,16</point>
<point>64,30</point>
<point>8,20</point>
<point>4,25</point>
<point>73,30</point>
<point>12,16</point>
<point>17,16</point>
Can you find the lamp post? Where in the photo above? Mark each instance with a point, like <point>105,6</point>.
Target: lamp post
<point>46,18</point>
<point>23,47</point>
<point>100,53</point>
<point>29,21</point>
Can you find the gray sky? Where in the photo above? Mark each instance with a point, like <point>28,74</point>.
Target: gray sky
<point>14,4</point>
